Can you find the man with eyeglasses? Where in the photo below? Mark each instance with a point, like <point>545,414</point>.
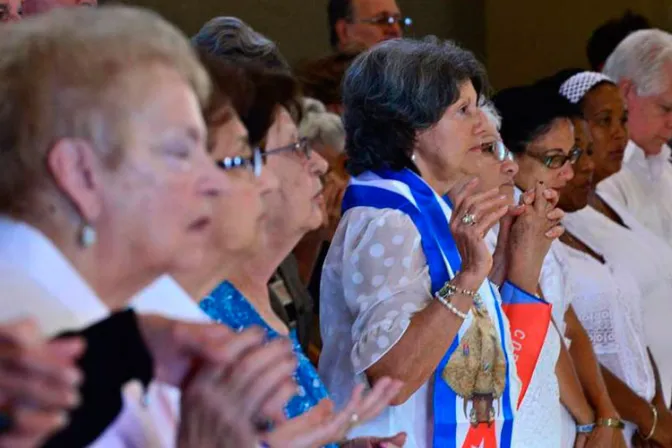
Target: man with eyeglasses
<point>357,25</point>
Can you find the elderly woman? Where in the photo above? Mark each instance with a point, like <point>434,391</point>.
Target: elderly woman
<point>396,279</point>
<point>540,118</point>
<point>604,221</point>
<point>264,103</point>
<point>96,203</point>
<point>11,10</point>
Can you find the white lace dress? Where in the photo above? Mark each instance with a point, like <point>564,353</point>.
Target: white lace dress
<point>649,260</point>
<point>541,411</point>
<point>607,302</point>
<point>375,277</point>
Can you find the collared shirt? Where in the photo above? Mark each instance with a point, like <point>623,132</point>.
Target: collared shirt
<point>166,298</point>
<point>38,281</point>
<point>643,187</point>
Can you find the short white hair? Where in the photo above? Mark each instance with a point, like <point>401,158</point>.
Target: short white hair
<point>492,114</point>
<point>640,57</point>
<point>321,126</point>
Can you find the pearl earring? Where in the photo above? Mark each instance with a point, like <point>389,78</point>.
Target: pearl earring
<point>87,236</point>
<point>413,157</point>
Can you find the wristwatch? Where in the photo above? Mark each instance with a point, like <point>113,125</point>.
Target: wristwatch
<point>610,423</point>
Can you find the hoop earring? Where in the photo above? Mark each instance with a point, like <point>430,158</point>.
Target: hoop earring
<point>87,236</point>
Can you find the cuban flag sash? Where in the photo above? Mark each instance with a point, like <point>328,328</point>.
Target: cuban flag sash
<point>407,192</point>
<point>529,319</point>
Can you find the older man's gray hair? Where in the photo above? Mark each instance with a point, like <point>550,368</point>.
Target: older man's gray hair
<point>235,40</point>
<point>641,58</point>
<point>321,126</point>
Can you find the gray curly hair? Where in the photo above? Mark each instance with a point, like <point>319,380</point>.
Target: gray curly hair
<point>321,126</point>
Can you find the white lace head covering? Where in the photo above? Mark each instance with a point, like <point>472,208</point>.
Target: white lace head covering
<point>576,87</point>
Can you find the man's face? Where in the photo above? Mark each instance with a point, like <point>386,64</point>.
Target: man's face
<point>650,119</point>
<point>369,24</point>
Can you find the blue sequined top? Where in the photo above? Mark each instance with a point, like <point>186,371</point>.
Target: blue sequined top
<point>226,305</point>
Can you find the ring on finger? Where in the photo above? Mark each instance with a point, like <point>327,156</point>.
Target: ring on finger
<point>469,219</point>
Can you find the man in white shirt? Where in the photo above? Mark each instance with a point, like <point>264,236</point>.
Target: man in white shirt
<point>641,65</point>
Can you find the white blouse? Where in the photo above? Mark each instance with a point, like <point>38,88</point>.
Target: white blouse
<point>649,261</point>
<point>643,186</point>
<point>607,302</point>
<point>375,277</point>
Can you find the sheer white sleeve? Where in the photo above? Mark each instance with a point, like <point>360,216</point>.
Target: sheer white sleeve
<point>385,280</point>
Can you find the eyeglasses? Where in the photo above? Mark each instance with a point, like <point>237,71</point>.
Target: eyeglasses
<point>558,160</point>
<point>388,20</point>
<point>253,163</point>
<point>498,150</point>
<point>301,147</point>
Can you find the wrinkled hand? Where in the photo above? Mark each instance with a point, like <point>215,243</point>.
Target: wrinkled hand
<point>38,382</point>
<point>500,257</point>
<point>606,437</point>
<point>487,209</point>
<point>532,234</point>
<point>224,402</point>
<point>320,426</point>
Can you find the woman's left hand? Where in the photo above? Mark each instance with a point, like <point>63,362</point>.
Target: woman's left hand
<point>320,426</point>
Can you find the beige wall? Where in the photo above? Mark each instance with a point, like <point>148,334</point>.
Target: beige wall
<point>528,39</point>
<point>519,40</point>
<point>298,26</point>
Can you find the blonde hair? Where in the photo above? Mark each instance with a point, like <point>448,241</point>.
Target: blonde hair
<point>66,74</point>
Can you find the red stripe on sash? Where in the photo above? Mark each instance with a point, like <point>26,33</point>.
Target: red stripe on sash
<point>482,436</point>
<point>529,324</point>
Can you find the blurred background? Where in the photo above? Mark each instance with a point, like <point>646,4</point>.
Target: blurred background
<point>519,40</point>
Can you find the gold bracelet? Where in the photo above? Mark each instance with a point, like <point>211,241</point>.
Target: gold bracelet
<point>610,423</point>
<point>649,436</point>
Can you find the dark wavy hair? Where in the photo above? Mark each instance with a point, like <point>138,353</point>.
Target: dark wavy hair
<point>530,112</point>
<point>398,88</point>
<point>254,92</point>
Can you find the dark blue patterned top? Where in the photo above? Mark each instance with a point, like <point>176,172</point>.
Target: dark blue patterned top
<point>226,305</point>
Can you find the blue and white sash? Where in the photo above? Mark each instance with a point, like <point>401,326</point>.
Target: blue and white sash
<point>407,192</point>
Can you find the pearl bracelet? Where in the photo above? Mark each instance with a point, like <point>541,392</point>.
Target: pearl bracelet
<point>449,290</point>
<point>451,307</point>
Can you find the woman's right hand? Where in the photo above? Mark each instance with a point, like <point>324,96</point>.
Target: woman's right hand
<point>38,383</point>
<point>225,400</point>
<point>487,209</point>
<point>532,234</point>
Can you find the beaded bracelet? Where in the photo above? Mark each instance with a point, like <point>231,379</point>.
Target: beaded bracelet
<point>585,429</point>
<point>450,290</point>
